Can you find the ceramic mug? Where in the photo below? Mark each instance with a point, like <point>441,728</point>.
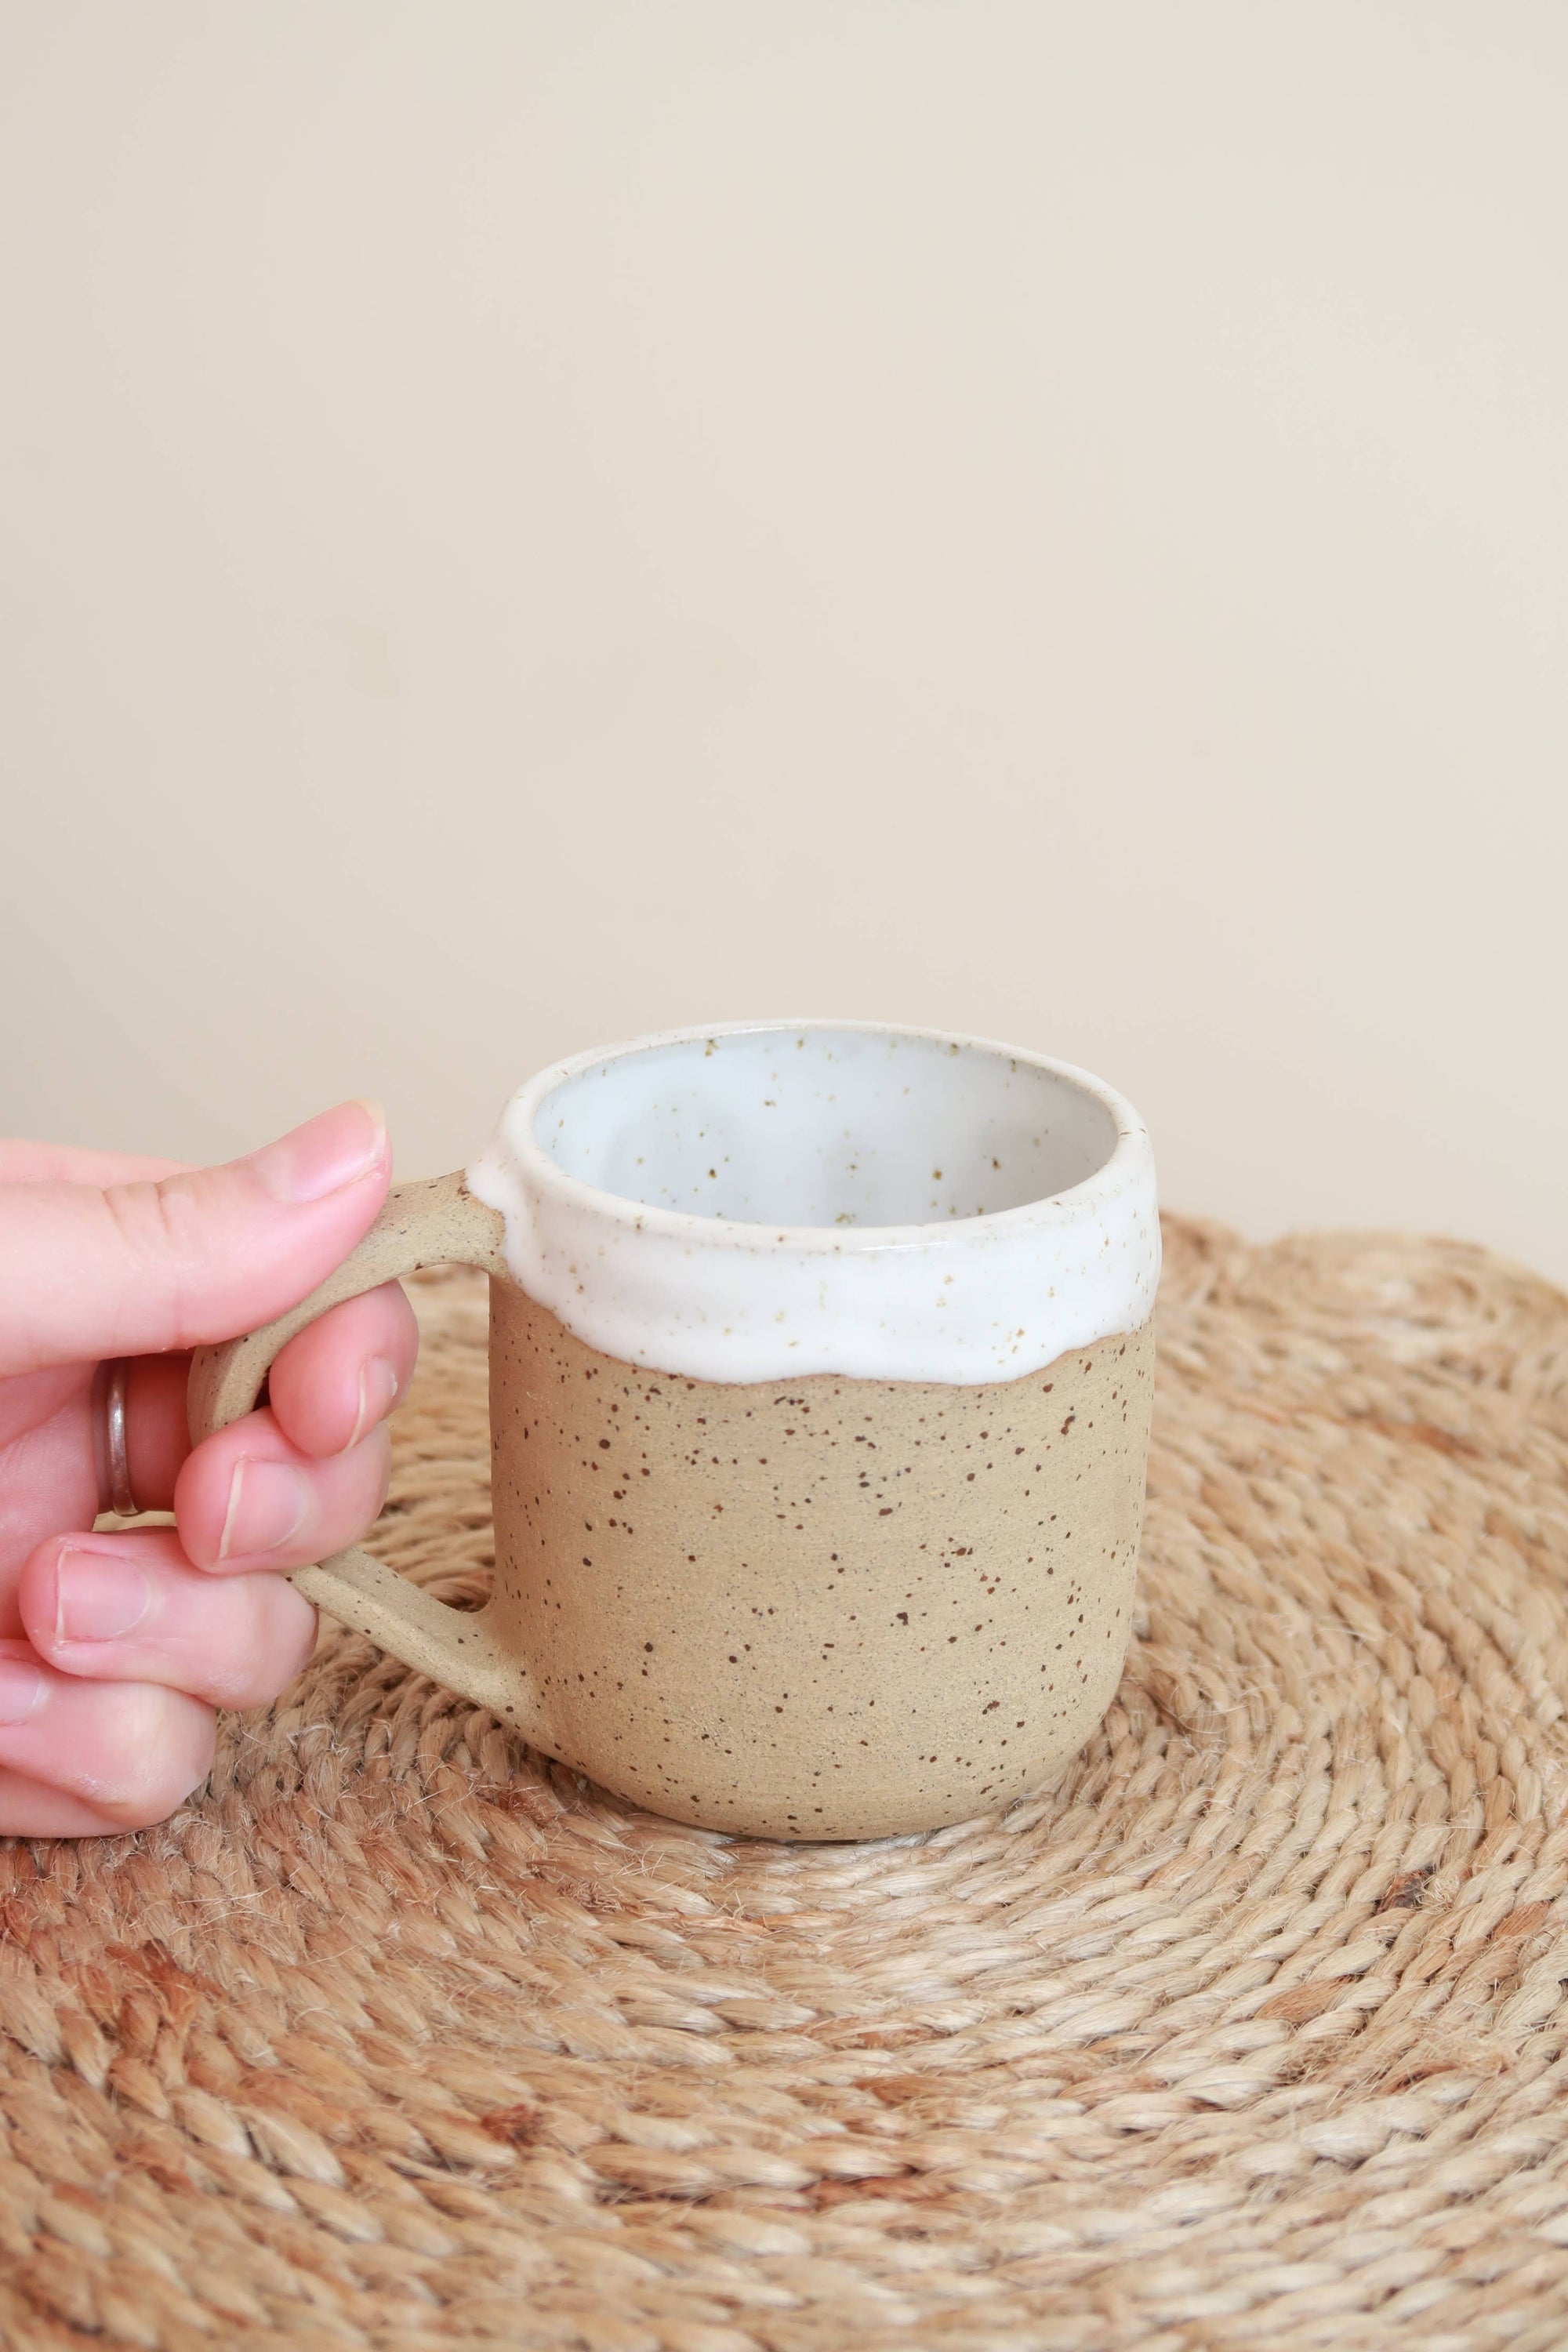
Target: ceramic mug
<point>821,1358</point>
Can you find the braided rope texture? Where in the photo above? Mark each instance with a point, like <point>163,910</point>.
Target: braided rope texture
<point>1251,2031</point>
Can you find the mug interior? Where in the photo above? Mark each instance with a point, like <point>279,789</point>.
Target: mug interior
<point>827,1127</point>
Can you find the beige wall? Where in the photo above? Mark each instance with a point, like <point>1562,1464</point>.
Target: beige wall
<point>527,524</point>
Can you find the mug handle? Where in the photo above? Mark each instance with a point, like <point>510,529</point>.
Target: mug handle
<point>437,1221</point>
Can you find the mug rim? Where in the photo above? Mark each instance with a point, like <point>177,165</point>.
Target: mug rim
<point>1127,1159</point>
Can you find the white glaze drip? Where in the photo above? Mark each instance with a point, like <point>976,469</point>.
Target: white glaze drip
<point>762,1202</point>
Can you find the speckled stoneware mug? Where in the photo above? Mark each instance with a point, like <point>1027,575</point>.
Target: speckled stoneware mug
<point>820,1370</point>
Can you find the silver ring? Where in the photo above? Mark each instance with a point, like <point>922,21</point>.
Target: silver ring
<point>116,1459</point>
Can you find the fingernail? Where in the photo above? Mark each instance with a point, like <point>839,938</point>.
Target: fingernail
<point>377,1394</point>
<point>267,1503</point>
<point>97,1595</point>
<point>324,1155</point>
<point>22,1688</point>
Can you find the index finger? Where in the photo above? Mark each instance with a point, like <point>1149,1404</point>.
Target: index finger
<point>23,1162</point>
<point>138,1268</point>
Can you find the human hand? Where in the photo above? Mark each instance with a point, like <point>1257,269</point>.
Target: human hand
<point>115,1648</point>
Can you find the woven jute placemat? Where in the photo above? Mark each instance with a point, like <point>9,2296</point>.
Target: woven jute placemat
<point>1251,2031</point>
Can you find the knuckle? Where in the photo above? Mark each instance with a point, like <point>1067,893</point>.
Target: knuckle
<point>162,1229</point>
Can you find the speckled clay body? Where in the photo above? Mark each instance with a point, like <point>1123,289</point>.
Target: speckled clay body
<point>826,1608</point>
<point>816,1505</point>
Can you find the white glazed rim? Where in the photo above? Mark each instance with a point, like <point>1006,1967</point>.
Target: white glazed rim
<point>516,1131</point>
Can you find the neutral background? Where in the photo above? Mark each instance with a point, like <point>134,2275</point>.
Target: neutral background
<point>525,524</point>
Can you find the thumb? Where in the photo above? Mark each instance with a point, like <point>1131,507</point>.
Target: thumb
<point>133,1269</point>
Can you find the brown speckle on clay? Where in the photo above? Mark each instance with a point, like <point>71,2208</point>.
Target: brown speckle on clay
<point>864,1723</point>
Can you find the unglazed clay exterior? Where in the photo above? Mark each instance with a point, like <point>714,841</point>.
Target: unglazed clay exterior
<point>820,1608</point>
<point>820,1373</point>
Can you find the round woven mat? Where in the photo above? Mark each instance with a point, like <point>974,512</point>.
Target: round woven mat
<point>1252,2031</point>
